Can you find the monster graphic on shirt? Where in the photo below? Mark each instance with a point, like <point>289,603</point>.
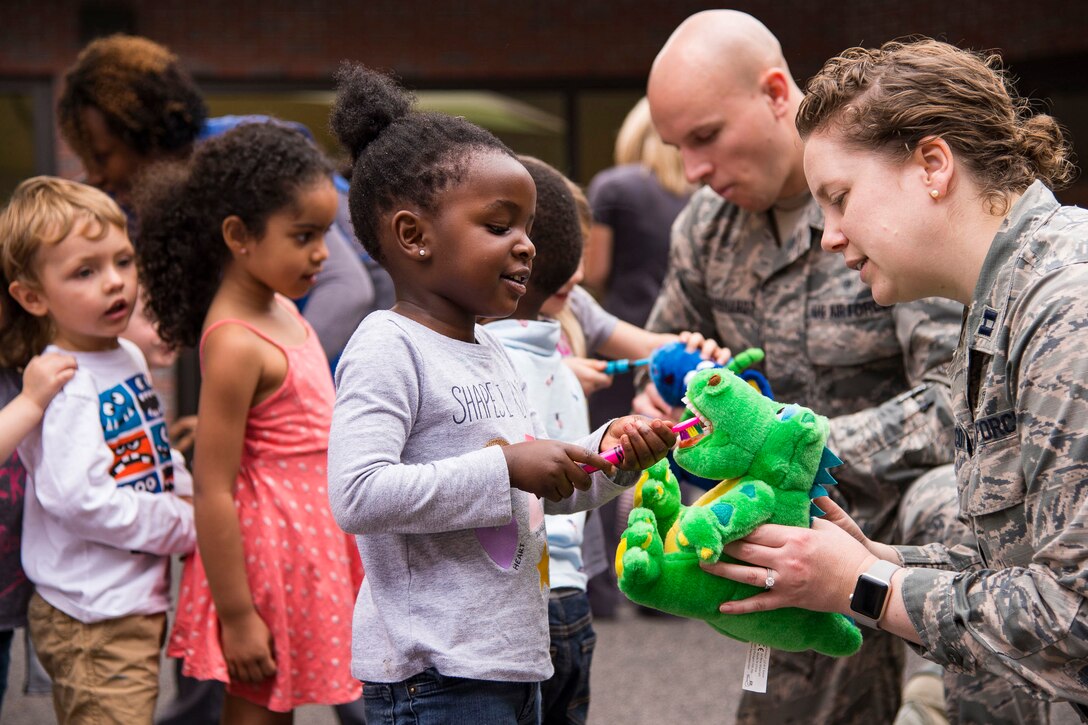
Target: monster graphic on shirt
<point>132,424</point>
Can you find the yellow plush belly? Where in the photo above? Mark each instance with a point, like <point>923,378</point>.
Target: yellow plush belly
<point>705,500</point>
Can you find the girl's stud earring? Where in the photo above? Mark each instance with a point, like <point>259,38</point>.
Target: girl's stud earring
<point>243,250</point>
<point>934,193</point>
<point>423,252</point>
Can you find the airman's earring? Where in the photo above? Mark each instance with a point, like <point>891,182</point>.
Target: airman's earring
<point>423,252</point>
<point>935,194</point>
<point>243,250</point>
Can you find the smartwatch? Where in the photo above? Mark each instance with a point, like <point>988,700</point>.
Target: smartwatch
<point>870,597</point>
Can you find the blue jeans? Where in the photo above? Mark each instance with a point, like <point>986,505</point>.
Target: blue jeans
<point>565,697</point>
<point>431,698</point>
<point>5,662</point>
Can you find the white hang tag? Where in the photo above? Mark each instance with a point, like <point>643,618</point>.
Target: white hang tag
<point>756,666</point>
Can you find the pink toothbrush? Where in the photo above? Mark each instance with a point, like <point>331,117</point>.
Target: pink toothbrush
<point>685,430</point>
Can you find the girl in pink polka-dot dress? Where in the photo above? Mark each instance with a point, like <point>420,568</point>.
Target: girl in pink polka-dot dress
<point>298,561</point>
<point>266,602</point>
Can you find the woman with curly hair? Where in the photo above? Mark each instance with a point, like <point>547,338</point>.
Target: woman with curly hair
<point>127,103</point>
<point>935,180</point>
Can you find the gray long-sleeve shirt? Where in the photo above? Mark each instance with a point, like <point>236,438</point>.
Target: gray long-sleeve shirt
<point>456,560</point>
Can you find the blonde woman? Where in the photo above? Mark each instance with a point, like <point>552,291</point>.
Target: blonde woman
<point>634,204</point>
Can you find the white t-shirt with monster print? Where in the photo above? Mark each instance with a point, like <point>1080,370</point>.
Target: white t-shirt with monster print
<point>101,516</point>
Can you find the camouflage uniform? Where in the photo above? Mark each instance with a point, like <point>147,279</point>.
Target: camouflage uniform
<point>1014,603</point>
<point>929,510</point>
<point>877,372</point>
<point>928,513</point>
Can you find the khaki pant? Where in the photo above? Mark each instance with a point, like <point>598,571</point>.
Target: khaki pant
<point>105,672</point>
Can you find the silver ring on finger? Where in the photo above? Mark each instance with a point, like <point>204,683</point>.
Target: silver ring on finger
<point>769,582</point>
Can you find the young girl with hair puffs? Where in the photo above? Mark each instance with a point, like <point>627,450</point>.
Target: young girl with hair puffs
<point>433,457</point>
<point>226,240</point>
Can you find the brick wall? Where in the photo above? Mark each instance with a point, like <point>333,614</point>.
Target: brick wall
<point>526,43</point>
<point>505,40</point>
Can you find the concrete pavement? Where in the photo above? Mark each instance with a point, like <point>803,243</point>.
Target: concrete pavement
<point>646,671</point>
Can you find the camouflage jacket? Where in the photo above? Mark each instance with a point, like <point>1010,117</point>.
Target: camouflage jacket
<point>1017,604</point>
<point>877,372</point>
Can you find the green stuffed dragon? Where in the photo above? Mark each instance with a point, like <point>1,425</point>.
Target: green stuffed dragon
<point>773,461</point>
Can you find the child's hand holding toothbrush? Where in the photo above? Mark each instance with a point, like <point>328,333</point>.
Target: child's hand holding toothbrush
<point>634,442</point>
<point>552,469</point>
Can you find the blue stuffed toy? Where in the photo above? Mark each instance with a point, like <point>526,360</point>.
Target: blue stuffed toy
<point>672,365</point>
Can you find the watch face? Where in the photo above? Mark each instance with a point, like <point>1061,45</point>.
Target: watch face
<point>869,596</point>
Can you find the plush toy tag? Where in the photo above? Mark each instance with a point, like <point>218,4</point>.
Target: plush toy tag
<point>756,666</point>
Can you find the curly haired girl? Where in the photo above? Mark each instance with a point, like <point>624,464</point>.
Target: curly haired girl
<point>265,605</point>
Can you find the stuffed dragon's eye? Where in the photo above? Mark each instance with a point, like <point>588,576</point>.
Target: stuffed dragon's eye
<point>704,365</point>
<point>715,379</point>
<point>787,412</point>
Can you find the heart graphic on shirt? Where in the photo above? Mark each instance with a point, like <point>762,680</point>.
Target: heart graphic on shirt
<point>500,542</point>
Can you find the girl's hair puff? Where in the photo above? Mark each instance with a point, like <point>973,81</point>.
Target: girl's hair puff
<point>251,172</point>
<point>639,143</point>
<point>399,156</point>
<point>892,98</point>
<point>149,102</point>
<point>44,210</point>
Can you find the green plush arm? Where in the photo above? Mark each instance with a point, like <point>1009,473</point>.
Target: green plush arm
<point>659,491</point>
<point>705,530</point>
